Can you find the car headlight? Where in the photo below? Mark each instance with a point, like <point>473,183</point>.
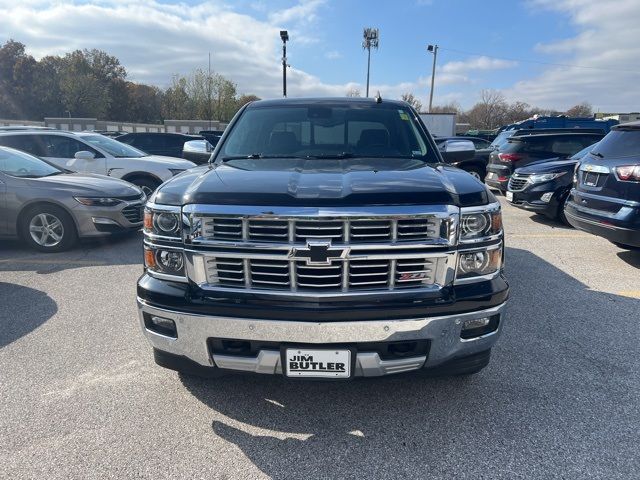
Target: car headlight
<point>479,263</point>
<point>480,223</point>
<point>98,201</point>
<point>544,177</point>
<point>164,221</point>
<point>164,261</point>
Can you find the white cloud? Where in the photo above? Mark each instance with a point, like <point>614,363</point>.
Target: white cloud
<point>477,63</point>
<point>305,11</point>
<point>333,55</point>
<point>606,47</point>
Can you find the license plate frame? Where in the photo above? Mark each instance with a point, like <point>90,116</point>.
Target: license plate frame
<point>591,183</point>
<point>343,355</point>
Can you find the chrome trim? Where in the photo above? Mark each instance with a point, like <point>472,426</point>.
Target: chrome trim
<point>443,332</point>
<point>158,207</point>
<point>489,208</point>
<point>591,168</point>
<point>595,196</point>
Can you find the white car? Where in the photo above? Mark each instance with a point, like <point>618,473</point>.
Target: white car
<point>89,152</point>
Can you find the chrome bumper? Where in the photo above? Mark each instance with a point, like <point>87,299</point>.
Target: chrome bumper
<point>443,333</point>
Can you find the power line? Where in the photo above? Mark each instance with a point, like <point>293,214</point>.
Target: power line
<point>538,62</point>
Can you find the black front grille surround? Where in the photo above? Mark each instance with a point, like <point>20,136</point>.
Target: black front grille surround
<point>518,182</point>
<point>133,213</point>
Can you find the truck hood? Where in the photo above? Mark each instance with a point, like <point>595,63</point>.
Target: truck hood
<point>303,182</point>
<point>546,166</point>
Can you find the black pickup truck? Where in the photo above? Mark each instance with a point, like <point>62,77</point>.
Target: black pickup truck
<point>326,239</point>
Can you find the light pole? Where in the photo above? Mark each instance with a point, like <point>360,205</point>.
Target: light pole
<point>284,35</point>
<point>433,49</point>
<point>371,39</point>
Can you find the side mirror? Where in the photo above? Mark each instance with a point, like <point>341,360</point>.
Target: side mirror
<point>454,151</point>
<point>84,155</point>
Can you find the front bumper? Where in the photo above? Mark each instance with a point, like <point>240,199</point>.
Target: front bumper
<point>531,198</point>
<point>194,332</point>
<point>100,221</point>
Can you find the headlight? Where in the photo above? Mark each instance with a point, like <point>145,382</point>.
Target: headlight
<point>98,201</point>
<point>544,177</point>
<point>480,223</point>
<point>479,263</point>
<point>165,221</point>
<point>164,261</point>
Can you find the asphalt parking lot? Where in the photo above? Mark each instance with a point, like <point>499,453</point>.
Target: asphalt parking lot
<point>82,398</point>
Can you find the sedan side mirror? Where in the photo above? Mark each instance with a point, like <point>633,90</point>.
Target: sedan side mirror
<point>84,155</point>
<point>454,151</point>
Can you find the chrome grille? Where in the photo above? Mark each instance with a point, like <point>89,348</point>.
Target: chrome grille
<point>133,213</point>
<point>339,275</point>
<point>518,182</point>
<point>338,230</point>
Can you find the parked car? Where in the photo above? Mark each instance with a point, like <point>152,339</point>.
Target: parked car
<point>49,208</point>
<point>520,151</point>
<point>212,136</point>
<point>543,187</point>
<point>561,121</point>
<point>605,199</point>
<point>109,133</point>
<point>197,151</point>
<point>89,152</point>
<point>166,144</point>
<point>475,164</point>
<point>327,240</point>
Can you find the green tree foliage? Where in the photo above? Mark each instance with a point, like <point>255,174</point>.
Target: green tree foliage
<point>92,83</point>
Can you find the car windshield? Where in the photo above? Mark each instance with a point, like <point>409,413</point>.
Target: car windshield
<point>502,138</point>
<point>583,152</point>
<point>19,164</point>
<point>619,143</point>
<point>327,131</point>
<point>113,147</point>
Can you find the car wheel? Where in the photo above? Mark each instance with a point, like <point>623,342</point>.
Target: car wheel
<point>561,216</point>
<point>48,228</point>
<point>147,185</point>
<point>476,173</point>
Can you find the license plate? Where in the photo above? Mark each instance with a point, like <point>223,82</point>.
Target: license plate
<point>509,196</point>
<point>302,362</point>
<point>491,175</point>
<point>591,179</point>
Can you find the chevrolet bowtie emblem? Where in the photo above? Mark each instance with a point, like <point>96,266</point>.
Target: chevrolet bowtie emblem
<point>318,253</point>
<point>588,168</point>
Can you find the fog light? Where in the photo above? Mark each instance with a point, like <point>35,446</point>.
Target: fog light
<point>479,326</point>
<point>170,261</point>
<point>546,198</point>
<point>161,325</point>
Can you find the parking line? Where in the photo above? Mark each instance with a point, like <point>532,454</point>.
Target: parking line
<point>547,235</point>
<point>630,293</point>
<point>51,261</point>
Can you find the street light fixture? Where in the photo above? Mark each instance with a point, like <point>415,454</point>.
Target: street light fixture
<point>371,39</point>
<point>284,35</point>
<point>433,49</point>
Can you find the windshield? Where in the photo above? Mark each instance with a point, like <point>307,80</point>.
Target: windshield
<point>114,147</point>
<point>502,138</point>
<point>327,131</point>
<point>19,164</point>
<point>619,143</point>
<point>583,152</point>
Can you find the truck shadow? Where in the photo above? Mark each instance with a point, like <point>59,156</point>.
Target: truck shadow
<point>115,250</point>
<point>563,379</point>
<point>22,310</point>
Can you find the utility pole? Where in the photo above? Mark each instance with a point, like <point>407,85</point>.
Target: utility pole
<point>433,49</point>
<point>371,38</point>
<point>284,35</point>
<point>209,92</point>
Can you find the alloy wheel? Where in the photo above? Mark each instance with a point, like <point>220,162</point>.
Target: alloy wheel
<point>46,230</point>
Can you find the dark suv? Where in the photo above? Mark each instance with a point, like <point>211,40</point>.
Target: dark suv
<point>520,151</point>
<point>166,144</point>
<point>605,199</point>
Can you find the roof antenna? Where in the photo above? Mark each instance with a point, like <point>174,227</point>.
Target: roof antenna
<point>378,97</point>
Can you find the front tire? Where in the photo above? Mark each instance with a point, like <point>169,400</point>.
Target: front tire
<point>48,228</point>
<point>147,185</point>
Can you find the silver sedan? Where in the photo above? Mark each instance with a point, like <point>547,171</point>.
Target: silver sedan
<point>51,208</point>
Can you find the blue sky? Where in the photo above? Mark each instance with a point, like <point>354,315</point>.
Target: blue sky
<point>484,44</point>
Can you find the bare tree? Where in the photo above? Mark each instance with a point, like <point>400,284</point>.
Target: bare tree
<point>411,99</point>
<point>583,109</point>
<point>451,107</point>
<point>490,112</point>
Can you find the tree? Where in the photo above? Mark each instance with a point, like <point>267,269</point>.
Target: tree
<point>583,109</point>
<point>353,92</point>
<point>412,100</point>
<point>244,99</point>
<point>490,112</point>
<point>452,107</point>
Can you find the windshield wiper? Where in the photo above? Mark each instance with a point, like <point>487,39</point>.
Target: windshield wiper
<point>255,156</point>
<point>597,154</point>
<point>331,156</point>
